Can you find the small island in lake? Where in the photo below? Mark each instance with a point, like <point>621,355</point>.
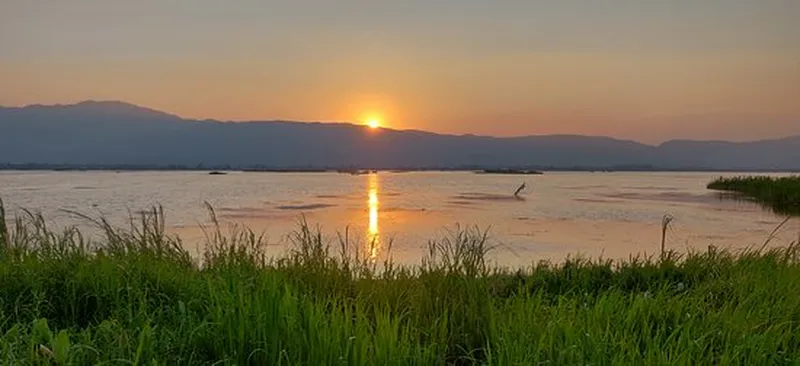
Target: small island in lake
<point>284,170</point>
<point>782,194</point>
<point>510,171</point>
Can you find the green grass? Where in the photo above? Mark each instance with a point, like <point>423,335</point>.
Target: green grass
<point>136,297</point>
<point>781,194</point>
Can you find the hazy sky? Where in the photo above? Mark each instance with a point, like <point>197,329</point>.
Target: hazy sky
<point>647,70</point>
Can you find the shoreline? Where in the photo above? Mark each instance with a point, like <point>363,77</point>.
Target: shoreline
<point>140,298</point>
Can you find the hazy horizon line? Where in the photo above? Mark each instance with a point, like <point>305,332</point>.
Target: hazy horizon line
<point>389,128</point>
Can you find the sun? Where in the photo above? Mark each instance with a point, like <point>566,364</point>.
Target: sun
<point>373,123</point>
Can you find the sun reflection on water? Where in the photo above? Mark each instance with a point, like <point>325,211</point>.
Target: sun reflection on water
<point>373,237</point>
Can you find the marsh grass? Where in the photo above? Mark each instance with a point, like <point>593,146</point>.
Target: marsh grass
<point>137,297</point>
<point>782,194</point>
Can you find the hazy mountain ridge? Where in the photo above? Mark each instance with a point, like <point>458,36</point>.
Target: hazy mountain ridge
<point>118,133</point>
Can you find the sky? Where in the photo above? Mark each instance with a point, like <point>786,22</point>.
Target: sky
<point>643,70</point>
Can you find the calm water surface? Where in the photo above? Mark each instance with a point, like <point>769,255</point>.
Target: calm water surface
<point>613,215</point>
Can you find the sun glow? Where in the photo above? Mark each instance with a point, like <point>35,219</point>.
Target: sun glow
<point>374,123</point>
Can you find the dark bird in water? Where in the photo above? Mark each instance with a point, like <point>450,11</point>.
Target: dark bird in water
<point>516,194</point>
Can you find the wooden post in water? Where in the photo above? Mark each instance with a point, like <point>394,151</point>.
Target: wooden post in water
<point>665,221</point>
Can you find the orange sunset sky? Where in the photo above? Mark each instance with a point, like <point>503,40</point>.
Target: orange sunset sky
<point>644,70</point>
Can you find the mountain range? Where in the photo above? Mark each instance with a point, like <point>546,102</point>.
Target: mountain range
<point>103,133</point>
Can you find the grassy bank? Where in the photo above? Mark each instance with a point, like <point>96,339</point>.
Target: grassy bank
<point>138,297</point>
<point>781,194</point>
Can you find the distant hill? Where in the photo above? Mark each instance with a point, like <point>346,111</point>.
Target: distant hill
<point>115,133</point>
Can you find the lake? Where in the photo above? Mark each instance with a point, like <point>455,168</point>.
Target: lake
<point>613,215</point>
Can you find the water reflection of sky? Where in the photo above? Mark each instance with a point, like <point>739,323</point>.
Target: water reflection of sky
<point>373,229</point>
<point>564,213</point>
